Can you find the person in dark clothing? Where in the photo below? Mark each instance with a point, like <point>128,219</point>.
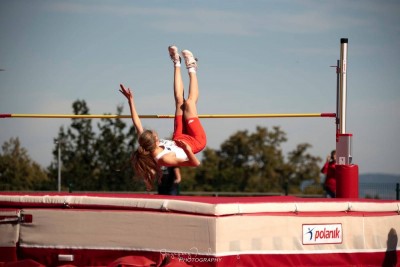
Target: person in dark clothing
<point>170,179</point>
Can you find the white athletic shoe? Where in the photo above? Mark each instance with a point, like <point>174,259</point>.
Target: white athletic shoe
<point>174,54</point>
<point>190,60</point>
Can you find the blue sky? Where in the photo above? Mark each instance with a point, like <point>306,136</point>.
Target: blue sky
<point>254,57</point>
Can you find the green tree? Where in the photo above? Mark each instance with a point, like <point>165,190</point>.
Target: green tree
<point>245,162</point>
<point>78,155</point>
<point>93,162</point>
<point>303,167</point>
<point>203,178</point>
<point>113,151</point>
<point>254,162</point>
<point>18,171</point>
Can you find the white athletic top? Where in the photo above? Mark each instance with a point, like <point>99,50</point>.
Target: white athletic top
<point>170,146</point>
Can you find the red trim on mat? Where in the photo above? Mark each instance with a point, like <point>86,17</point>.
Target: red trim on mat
<point>49,257</point>
<point>8,254</point>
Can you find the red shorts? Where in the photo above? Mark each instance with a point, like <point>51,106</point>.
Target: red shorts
<point>191,131</point>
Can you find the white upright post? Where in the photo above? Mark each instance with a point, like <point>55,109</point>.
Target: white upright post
<point>346,172</point>
<point>343,84</point>
<point>343,146</point>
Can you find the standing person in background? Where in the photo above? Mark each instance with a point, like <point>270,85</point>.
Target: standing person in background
<point>170,179</point>
<point>329,169</point>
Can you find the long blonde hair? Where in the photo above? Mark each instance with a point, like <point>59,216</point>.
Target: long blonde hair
<point>143,162</point>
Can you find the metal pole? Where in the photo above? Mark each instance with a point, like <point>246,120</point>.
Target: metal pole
<point>337,97</point>
<point>59,166</point>
<point>343,84</point>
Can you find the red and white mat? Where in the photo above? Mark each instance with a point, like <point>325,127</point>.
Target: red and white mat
<point>97,229</point>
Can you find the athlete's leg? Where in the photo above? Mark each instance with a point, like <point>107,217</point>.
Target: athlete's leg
<point>178,83</point>
<point>178,91</point>
<point>190,110</point>
<point>194,135</point>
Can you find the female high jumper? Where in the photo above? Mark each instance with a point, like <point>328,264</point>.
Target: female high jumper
<point>189,136</point>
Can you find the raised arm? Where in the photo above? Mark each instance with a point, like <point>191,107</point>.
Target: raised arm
<point>135,117</point>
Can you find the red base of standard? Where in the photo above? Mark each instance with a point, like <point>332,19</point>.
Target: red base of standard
<point>346,181</point>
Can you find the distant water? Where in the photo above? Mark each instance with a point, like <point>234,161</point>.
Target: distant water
<point>379,191</point>
<point>381,186</point>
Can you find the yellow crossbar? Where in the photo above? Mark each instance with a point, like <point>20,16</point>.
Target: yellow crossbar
<point>204,116</point>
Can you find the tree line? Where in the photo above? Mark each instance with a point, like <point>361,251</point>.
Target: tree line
<point>100,161</point>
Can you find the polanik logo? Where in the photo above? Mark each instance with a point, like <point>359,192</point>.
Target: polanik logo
<point>322,234</point>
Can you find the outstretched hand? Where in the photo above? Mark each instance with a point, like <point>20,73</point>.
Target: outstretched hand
<point>135,117</point>
<point>126,92</point>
